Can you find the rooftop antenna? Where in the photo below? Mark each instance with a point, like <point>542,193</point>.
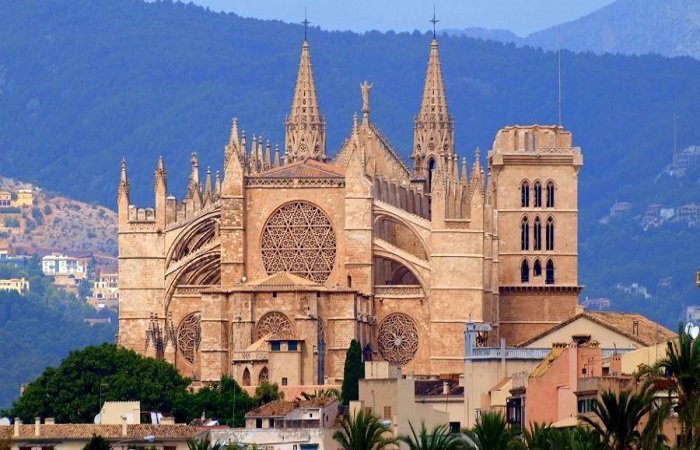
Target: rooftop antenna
<point>434,21</point>
<point>305,23</point>
<point>559,84</point>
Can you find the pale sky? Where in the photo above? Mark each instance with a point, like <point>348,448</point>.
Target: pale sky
<point>520,16</point>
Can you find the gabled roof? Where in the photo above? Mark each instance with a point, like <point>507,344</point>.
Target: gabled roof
<point>547,362</point>
<point>648,332</point>
<point>280,408</point>
<point>308,168</point>
<point>283,279</point>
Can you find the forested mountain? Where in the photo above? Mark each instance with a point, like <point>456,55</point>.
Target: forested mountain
<point>634,27</point>
<point>84,83</point>
<point>630,27</point>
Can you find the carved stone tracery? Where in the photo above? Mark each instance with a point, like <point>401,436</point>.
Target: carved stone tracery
<point>397,338</point>
<point>299,238</point>
<point>274,323</point>
<point>189,335</point>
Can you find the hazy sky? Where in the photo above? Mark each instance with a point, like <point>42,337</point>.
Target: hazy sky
<point>519,16</point>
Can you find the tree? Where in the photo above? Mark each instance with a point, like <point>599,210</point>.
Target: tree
<point>618,417</point>
<point>97,443</point>
<point>321,393</point>
<point>73,391</point>
<point>491,432</point>
<point>267,392</point>
<point>215,401</point>
<point>439,438</point>
<point>353,372</point>
<point>203,443</point>
<point>362,431</point>
<point>678,373</point>
<point>538,436</point>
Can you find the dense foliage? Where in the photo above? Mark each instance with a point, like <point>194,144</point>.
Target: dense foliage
<point>84,83</point>
<point>353,372</point>
<point>40,328</point>
<point>76,389</point>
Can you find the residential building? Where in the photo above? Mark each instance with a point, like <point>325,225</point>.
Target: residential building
<point>25,197</point>
<point>105,292</point>
<point>57,264</point>
<point>19,285</point>
<point>5,199</point>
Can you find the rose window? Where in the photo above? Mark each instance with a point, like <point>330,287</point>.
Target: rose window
<point>274,323</point>
<point>299,238</point>
<point>398,339</point>
<point>189,336</point>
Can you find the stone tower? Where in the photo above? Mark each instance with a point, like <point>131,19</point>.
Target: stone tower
<point>534,183</point>
<point>305,127</point>
<point>433,135</point>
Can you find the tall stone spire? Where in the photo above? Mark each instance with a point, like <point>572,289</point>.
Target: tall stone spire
<point>305,127</point>
<point>433,137</point>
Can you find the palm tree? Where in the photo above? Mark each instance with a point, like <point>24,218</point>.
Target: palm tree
<point>491,432</point>
<point>678,373</point>
<point>538,436</point>
<point>203,443</point>
<point>617,419</point>
<point>321,393</point>
<point>578,438</point>
<point>362,431</point>
<point>439,438</point>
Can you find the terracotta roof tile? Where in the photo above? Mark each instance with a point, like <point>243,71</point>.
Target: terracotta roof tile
<point>280,408</point>
<point>73,431</point>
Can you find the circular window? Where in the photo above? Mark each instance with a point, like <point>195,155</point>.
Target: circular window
<point>398,338</point>
<point>299,238</point>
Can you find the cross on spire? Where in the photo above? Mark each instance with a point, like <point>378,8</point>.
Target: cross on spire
<point>306,23</point>
<point>434,21</point>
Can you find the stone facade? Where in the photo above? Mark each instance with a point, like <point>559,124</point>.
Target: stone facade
<point>270,270</point>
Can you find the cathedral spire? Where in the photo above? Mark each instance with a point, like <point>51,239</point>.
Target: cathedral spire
<point>123,195</point>
<point>305,127</point>
<point>433,137</point>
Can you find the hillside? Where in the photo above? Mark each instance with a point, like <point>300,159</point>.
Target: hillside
<point>630,27</point>
<point>633,27</point>
<point>54,223</point>
<point>85,83</point>
<point>40,328</point>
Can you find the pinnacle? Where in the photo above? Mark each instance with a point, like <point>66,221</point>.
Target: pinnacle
<point>434,102</point>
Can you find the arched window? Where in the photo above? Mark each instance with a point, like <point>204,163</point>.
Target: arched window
<point>550,194</point>
<point>550,272</point>
<point>549,238</point>
<point>524,271</point>
<point>525,194</point>
<point>264,375</point>
<point>537,269</point>
<point>537,234</point>
<point>537,194</point>
<point>349,281</point>
<point>525,234</point>
<point>246,377</point>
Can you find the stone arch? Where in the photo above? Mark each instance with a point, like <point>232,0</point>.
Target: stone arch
<point>399,233</point>
<point>194,236</point>
<point>422,274</point>
<point>264,375</point>
<point>246,377</point>
<point>203,270</point>
<point>189,335</point>
<point>273,323</point>
<point>389,271</point>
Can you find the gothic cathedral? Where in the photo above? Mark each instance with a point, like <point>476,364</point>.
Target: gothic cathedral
<point>269,271</point>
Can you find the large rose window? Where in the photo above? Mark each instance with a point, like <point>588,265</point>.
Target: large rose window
<point>299,238</point>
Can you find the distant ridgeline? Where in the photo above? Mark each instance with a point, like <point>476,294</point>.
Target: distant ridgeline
<point>165,78</point>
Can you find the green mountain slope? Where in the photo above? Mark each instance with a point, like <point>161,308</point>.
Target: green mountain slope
<point>84,83</point>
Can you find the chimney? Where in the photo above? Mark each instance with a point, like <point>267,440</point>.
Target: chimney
<point>616,365</point>
<point>124,427</point>
<point>18,422</point>
<point>49,421</point>
<point>635,328</point>
<point>37,426</point>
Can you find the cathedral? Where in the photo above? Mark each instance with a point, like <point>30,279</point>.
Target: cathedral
<point>270,269</point>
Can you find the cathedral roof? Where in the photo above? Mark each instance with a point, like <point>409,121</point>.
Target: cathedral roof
<point>308,168</point>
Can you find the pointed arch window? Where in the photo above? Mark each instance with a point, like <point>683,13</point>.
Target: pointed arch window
<point>246,377</point>
<point>537,268</point>
<point>549,232</point>
<point>550,194</point>
<point>525,194</point>
<point>549,279</point>
<point>524,271</point>
<point>431,169</point>
<point>537,194</point>
<point>537,234</point>
<point>264,376</point>
<point>525,234</point>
